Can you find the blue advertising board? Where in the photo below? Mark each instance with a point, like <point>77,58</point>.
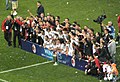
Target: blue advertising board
<point>46,53</point>
<point>72,62</point>
<point>36,49</point>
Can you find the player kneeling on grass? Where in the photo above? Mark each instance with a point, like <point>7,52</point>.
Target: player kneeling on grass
<point>110,71</point>
<point>107,71</point>
<point>114,72</point>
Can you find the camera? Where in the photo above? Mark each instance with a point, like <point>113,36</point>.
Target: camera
<point>100,19</point>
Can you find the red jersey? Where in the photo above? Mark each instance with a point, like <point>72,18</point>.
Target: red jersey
<point>3,25</point>
<point>118,20</point>
<point>97,62</point>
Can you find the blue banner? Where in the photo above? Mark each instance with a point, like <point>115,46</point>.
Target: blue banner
<point>62,58</point>
<point>72,62</point>
<point>36,49</point>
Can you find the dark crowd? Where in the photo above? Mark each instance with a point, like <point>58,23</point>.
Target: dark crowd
<point>97,48</point>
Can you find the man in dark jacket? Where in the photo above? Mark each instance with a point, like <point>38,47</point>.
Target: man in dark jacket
<point>40,8</point>
<point>88,47</point>
<point>103,56</point>
<point>16,31</point>
<point>106,36</point>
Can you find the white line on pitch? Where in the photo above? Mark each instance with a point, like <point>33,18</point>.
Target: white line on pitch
<point>25,67</point>
<point>3,80</point>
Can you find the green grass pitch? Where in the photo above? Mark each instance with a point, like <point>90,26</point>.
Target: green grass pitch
<point>76,10</point>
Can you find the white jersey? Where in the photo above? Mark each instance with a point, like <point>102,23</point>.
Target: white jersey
<point>105,67</point>
<point>93,48</point>
<point>71,50</point>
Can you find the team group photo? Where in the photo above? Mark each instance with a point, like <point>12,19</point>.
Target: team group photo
<point>60,41</point>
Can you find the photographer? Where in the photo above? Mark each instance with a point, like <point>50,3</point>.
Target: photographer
<point>99,20</point>
<point>111,29</point>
